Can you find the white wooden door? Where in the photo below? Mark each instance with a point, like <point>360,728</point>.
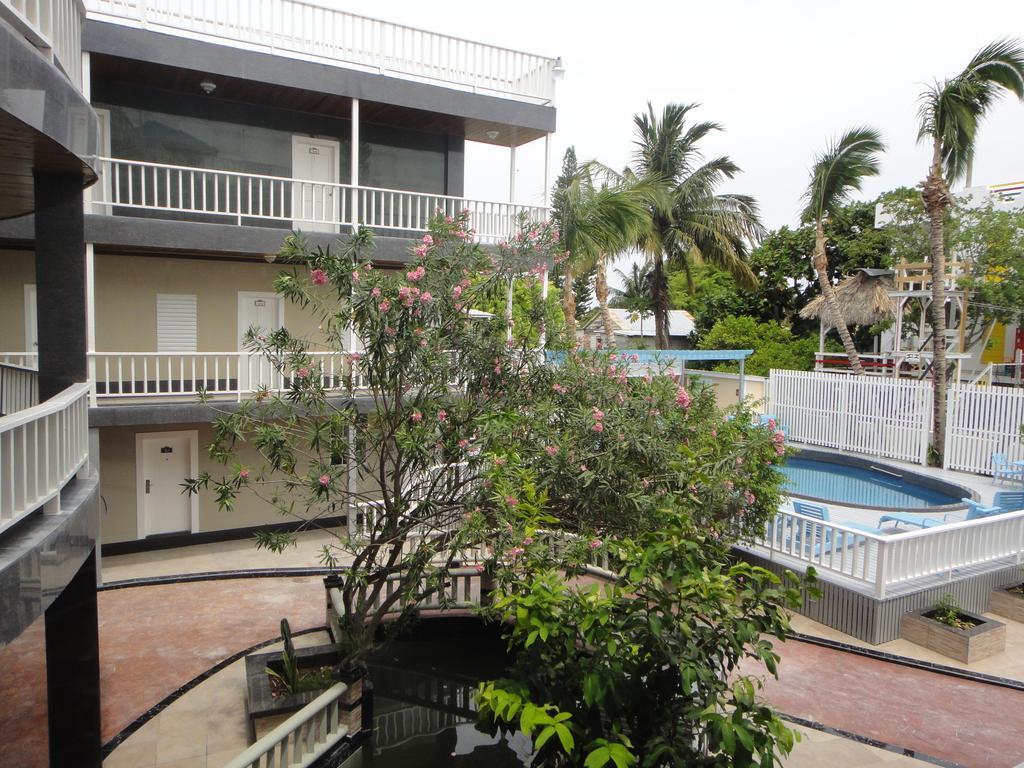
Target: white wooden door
<point>315,201</point>
<point>264,311</point>
<point>31,324</point>
<point>166,462</point>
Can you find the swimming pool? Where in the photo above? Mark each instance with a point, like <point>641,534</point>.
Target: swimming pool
<point>857,482</point>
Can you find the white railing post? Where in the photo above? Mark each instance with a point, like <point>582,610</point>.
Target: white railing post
<point>880,568</point>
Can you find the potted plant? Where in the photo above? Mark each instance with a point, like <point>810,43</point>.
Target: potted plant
<point>948,629</point>
<point>282,682</point>
<point>1008,601</point>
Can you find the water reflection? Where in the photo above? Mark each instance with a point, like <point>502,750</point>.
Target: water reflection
<point>424,710</point>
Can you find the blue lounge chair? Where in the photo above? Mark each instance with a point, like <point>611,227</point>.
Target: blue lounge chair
<point>909,518</point>
<point>1009,501</point>
<point>1002,469</point>
<point>814,538</point>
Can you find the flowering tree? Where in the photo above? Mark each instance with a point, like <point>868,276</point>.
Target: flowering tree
<point>398,448</point>
<point>610,450</point>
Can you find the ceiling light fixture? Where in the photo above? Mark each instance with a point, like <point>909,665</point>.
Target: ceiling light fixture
<point>492,135</point>
<point>208,86</point>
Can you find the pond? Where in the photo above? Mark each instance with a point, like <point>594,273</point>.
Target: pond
<point>423,708</point>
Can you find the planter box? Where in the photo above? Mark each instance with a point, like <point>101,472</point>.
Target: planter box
<point>1008,604</point>
<point>264,710</point>
<point>966,645</point>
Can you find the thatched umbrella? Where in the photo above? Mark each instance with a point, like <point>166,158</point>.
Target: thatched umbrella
<point>863,299</point>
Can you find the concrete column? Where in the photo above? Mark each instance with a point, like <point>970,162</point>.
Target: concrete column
<point>73,671</point>
<point>60,282</point>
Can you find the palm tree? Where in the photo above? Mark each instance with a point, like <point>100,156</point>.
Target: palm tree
<point>635,294</point>
<point>837,172</point>
<point>950,114</point>
<point>595,222</point>
<point>691,223</point>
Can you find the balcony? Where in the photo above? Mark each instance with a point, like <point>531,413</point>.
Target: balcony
<point>312,32</point>
<point>52,26</point>
<point>177,191</point>
<point>41,449</point>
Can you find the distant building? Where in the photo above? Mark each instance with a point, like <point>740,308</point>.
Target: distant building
<point>633,330</point>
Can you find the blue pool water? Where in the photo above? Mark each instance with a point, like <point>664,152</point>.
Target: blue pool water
<point>858,486</point>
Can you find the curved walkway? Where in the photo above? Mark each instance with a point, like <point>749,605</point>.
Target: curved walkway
<point>156,638</point>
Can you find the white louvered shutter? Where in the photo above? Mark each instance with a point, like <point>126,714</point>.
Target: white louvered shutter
<point>176,320</point>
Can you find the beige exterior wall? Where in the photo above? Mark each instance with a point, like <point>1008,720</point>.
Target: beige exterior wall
<point>727,388</point>
<point>127,287</point>
<point>17,269</point>
<point>118,485</point>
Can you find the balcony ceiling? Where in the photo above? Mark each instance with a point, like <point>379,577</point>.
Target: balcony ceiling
<point>25,151</point>
<point>113,69</point>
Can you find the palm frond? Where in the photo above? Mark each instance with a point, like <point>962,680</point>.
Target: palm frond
<point>952,110</point>
<point>841,170</point>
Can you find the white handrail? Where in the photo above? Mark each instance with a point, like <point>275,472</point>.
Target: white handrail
<point>301,739</point>
<point>880,562</point>
<point>41,449</point>
<point>187,374</point>
<point>52,26</point>
<point>19,388</point>
<point>305,30</point>
<point>239,196</point>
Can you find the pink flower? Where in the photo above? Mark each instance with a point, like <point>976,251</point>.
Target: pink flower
<point>463,443</point>
<point>244,474</point>
<point>595,543</point>
<point>385,305</point>
<point>516,551</point>
<point>302,373</point>
<point>375,291</point>
<point>355,275</point>
<point>479,568</point>
<point>551,450</point>
<point>318,276</point>
<point>325,480</point>
<point>583,467</point>
<point>512,501</point>
<point>426,298</point>
<point>779,438</point>
<point>423,342</point>
<point>416,417</point>
<point>527,541</point>
<point>415,274</point>
<point>749,498</point>
<point>457,291</point>
<point>499,461</point>
<point>682,398</point>
<point>771,424</point>
<point>420,251</point>
<point>389,331</point>
<point>598,413</point>
<point>780,449</point>
<point>442,416</point>
<point>598,427</point>
<point>428,240</point>
<point>559,388</point>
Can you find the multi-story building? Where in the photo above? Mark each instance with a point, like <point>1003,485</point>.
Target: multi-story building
<point>221,129</point>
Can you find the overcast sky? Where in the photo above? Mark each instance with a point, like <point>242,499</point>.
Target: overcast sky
<point>780,76</point>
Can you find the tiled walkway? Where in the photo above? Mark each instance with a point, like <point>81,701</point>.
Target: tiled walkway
<point>156,638</point>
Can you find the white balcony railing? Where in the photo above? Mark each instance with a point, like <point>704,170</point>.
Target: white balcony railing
<point>217,374</point>
<point>303,738</point>
<point>19,388</point>
<point>52,26</point>
<point>881,564</point>
<point>309,31</point>
<point>41,449</point>
<point>239,198</point>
